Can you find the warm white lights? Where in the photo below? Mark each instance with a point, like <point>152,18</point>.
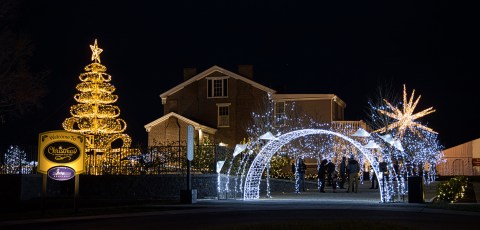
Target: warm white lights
<point>96,117</point>
<point>96,52</point>
<point>405,118</point>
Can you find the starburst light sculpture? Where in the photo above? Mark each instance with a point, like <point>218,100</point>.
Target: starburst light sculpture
<point>405,118</point>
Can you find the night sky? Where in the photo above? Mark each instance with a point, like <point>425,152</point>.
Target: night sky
<point>347,48</point>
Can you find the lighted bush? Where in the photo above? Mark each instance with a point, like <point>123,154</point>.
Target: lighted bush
<point>453,189</point>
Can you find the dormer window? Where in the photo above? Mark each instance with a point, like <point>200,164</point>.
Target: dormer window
<point>217,87</point>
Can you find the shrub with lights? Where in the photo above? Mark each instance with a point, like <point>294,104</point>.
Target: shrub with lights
<point>453,189</point>
<point>15,161</point>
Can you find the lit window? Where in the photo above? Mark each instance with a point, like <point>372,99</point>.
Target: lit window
<point>217,87</point>
<point>279,113</point>
<point>223,116</point>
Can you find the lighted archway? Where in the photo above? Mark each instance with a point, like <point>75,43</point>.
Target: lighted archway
<point>254,175</point>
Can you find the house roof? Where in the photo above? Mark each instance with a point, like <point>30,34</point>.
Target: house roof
<point>208,72</point>
<point>307,97</point>
<point>196,125</point>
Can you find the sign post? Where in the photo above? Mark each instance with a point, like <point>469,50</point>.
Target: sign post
<point>189,196</point>
<point>189,155</point>
<point>61,157</point>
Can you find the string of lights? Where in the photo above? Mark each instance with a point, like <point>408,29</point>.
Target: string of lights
<point>96,117</point>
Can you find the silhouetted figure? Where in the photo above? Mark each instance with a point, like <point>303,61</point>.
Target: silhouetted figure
<point>353,169</point>
<point>330,169</point>
<point>322,171</point>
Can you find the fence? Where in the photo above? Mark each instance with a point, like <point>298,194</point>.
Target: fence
<point>165,159</point>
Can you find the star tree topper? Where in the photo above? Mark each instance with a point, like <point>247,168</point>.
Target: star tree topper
<point>406,118</point>
<point>96,52</point>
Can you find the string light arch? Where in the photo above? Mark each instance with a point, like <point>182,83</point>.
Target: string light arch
<point>254,175</point>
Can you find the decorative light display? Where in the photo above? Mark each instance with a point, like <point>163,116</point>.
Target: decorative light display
<point>371,145</point>
<point>417,151</point>
<point>219,167</point>
<point>252,181</point>
<point>96,52</point>
<point>405,118</point>
<point>238,149</point>
<point>15,161</point>
<point>301,137</point>
<point>361,133</point>
<point>94,116</point>
<point>453,189</point>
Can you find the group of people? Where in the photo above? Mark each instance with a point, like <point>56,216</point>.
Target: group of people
<point>329,176</point>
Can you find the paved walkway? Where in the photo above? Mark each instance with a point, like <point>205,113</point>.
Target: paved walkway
<point>365,194</point>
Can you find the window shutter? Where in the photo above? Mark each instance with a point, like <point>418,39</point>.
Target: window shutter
<point>225,87</point>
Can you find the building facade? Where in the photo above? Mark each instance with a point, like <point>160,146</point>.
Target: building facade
<point>461,160</point>
<point>219,104</point>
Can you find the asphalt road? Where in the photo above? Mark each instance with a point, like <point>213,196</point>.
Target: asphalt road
<point>226,214</point>
<point>310,207</point>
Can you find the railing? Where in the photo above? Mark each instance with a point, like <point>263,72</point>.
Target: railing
<point>165,159</point>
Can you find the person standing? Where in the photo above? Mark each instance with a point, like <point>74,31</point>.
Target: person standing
<point>343,172</point>
<point>300,176</point>
<point>396,168</point>
<point>353,169</point>
<point>374,179</point>
<point>303,170</point>
<point>330,169</point>
<point>322,171</point>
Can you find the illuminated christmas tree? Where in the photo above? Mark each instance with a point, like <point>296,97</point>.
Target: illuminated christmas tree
<point>94,115</point>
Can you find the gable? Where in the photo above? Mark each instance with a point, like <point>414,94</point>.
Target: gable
<point>213,71</point>
<point>165,118</point>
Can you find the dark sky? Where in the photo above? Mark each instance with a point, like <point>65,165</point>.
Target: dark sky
<point>347,48</point>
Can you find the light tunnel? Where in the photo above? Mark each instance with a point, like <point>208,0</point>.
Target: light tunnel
<point>254,175</point>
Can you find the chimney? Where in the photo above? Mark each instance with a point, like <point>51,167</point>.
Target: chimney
<point>189,73</point>
<point>246,71</point>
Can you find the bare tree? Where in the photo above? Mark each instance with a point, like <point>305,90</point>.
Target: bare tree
<point>20,88</point>
<point>375,119</point>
